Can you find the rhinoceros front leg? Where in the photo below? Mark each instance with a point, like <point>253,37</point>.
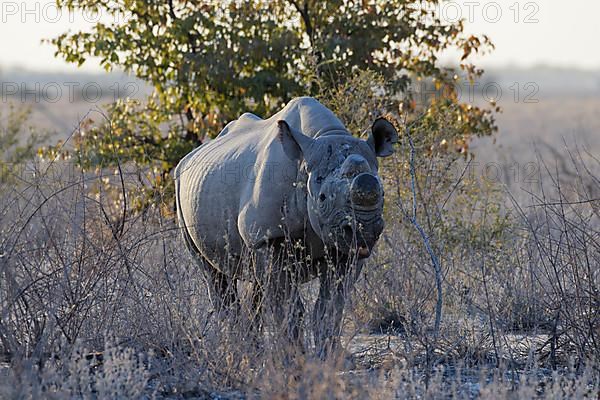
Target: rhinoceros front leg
<point>289,310</point>
<point>335,284</point>
<point>278,290</point>
<point>327,315</point>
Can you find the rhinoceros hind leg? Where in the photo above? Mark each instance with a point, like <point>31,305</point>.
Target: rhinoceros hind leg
<point>222,288</point>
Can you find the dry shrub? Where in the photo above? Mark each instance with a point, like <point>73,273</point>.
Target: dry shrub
<point>114,373</point>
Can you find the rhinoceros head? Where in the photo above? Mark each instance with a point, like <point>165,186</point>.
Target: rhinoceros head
<point>345,194</point>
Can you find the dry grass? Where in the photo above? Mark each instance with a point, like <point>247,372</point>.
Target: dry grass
<point>100,303</point>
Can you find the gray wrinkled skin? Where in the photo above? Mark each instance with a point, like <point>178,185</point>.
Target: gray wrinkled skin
<point>298,177</point>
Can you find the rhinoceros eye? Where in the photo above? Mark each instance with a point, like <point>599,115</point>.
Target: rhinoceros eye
<point>319,180</point>
<point>322,197</point>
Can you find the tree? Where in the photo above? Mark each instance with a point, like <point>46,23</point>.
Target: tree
<point>210,61</point>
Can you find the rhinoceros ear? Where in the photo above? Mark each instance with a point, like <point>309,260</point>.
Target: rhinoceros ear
<point>295,144</point>
<point>382,138</point>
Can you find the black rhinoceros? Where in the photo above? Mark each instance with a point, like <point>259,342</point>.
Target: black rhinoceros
<point>298,178</point>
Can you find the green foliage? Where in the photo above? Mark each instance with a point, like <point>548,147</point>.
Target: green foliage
<point>17,143</point>
<point>211,61</point>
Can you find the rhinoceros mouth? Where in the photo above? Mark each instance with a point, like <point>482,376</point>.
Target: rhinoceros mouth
<point>356,236</point>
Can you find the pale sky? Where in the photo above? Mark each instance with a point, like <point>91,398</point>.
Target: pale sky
<point>550,32</point>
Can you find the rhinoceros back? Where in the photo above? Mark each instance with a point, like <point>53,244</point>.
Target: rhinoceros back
<point>305,114</point>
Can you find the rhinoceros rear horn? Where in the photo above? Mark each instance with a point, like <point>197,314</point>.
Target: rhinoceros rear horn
<point>383,136</point>
<point>295,143</point>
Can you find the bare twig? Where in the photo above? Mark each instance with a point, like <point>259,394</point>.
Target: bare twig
<point>426,240</point>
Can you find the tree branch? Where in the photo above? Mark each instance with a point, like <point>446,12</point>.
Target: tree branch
<point>306,19</point>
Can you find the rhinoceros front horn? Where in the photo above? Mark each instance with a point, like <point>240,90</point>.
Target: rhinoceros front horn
<point>365,190</point>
